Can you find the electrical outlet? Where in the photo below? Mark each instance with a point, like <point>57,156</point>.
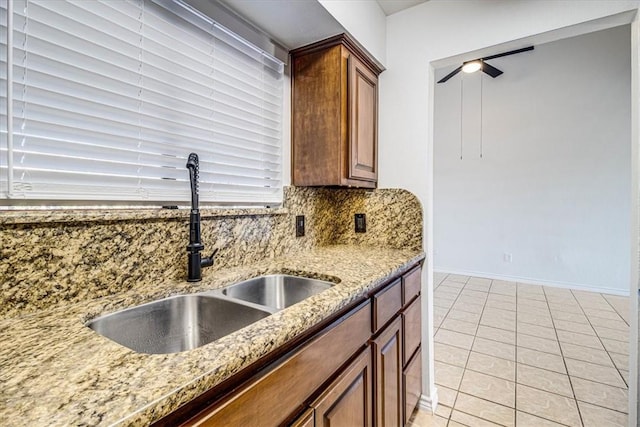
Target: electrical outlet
<point>507,257</point>
<point>361,223</point>
<point>299,225</point>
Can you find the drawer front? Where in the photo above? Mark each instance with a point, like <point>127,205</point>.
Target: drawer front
<point>305,420</point>
<point>386,304</point>
<point>412,385</point>
<point>272,398</point>
<point>411,326</point>
<point>411,285</point>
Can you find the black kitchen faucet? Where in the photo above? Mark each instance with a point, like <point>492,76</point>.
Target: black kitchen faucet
<point>196,261</point>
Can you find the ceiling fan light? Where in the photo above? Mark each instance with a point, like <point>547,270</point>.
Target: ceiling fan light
<point>471,67</point>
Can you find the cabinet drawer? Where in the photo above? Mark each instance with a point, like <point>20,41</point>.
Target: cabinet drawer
<point>411,326</point>
<point>305,420</point>
<point>386,304</point>
<point>411,285</point>
<point>270,399</point>
<point>412,385</point>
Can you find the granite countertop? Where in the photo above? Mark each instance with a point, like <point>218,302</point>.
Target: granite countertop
<point>56,371</point>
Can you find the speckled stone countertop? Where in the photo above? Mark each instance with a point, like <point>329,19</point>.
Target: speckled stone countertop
<point>57,372</point>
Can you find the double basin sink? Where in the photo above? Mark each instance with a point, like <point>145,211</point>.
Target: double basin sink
<point>185,322</point>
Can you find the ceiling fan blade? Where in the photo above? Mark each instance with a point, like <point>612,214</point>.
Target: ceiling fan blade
<point>451,74</point>
<point>511,52</point>
<point>491,70</point>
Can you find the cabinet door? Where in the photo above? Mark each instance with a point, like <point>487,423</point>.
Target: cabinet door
<point>412,384</point>
<point>347,401</point>
<point>411,284</point>
<point>411,328</point>
<point>319,96</point>
<point>363,115</point>
<point>387,353</point>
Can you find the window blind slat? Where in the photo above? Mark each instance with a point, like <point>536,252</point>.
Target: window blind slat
<point>150,159</point>
<point>110,98</point>
<point>43,80</point>
<point>164,141</point>
<point>66,89</point>
<point>110,186</point>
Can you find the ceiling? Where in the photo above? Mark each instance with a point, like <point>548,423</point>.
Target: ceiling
<point>392,6</point>
<point>290,23</point>
<point>293,23</point>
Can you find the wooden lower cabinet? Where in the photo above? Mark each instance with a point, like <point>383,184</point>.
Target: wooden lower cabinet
<point>387,354</point>
<point>361,368</point>
<point>347,401</point>
<point>271,398</point>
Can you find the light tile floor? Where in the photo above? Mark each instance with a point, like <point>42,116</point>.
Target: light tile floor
<point>514,354</point>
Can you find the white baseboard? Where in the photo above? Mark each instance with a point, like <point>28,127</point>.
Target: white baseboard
<point>429,404</point>
<point>527,280</point>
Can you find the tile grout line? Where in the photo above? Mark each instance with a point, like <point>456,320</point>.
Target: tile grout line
<point>614,309</point>
<point>611,329</point>
<point>516,360</point>
<point>563,361</point>
<point>544,418</point>
<point>452,304</point>
<point>458,387</point>
<point>466,367</point>
<point>484,306</point>
<point>528,364</point>
<point>602,343</point>
<point>575,399</point>
<point>465,363</point>
<point>581,333</point>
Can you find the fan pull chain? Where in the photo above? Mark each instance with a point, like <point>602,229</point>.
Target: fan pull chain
<point>461,102</point>
<point>481,103</point>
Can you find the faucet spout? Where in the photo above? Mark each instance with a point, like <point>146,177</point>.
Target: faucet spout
<point>193,164</point>
<point>195,260</point>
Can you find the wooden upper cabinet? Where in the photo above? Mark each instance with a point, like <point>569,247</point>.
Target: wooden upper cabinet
<point>334,115</point>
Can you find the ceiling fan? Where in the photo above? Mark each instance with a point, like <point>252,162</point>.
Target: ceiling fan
<point>481,64</point>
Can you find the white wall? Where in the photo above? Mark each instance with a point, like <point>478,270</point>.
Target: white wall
<point>432,31</point>
<point>439,29</point>
<point>634,306</point>
<point>552,188</point>
<point>365,21</point>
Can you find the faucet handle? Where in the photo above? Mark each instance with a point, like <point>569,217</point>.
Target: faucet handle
<point>208,261</point>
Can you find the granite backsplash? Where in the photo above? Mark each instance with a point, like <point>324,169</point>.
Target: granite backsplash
<point>50,258</point>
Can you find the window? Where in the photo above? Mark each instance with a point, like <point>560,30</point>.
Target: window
<point>109,98</point>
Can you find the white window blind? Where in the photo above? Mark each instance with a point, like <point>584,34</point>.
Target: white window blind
<point>110,97</point>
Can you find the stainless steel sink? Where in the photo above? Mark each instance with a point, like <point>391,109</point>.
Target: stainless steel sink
<point>185,322</point>
<point>177,323</point>
<point>277,291</point>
